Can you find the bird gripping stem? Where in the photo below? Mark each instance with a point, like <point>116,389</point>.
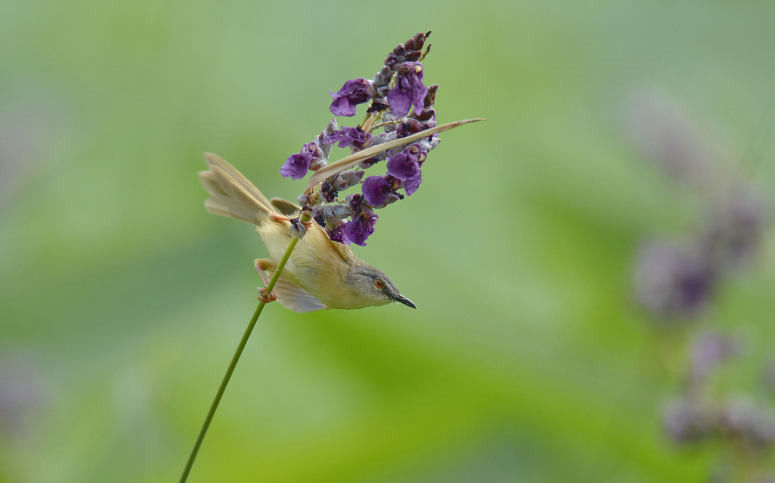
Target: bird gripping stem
<point>233,363</point>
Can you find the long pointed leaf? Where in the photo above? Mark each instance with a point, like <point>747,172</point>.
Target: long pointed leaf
<point>355,158</point>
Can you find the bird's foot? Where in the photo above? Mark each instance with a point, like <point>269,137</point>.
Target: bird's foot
<point>265,295</point>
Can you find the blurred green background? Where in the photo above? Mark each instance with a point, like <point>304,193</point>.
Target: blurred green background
<point>122,300</point>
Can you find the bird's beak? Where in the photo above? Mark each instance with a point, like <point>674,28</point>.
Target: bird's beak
<point>405,301</point>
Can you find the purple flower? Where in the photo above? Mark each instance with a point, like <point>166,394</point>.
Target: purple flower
<point>409,90</point>
<point>337,234</point>
<point>403,166</point>
<point>297,165</point>
<point>376,190</point>
<point>411,184</point>
<point>349,136</point>
<point>380,191</point>
<point>361,226</point>
<point>353,92</point>
<point>406,167</point>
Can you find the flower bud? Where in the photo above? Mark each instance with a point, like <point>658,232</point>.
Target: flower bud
<point>336,212</point>
<point>306,215</point>
<point>345,179</point>
<point>297,229</point>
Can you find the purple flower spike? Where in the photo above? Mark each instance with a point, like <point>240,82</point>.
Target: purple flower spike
<point>349,136</point>
<point>352,93</point>
<point>409,90</point>
<point>361,227</point>
<point>376,190</point>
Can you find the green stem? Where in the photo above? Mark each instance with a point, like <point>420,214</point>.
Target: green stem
<point>233,363</point>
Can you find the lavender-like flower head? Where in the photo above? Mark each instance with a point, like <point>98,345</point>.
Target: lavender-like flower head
<point>400,105</point>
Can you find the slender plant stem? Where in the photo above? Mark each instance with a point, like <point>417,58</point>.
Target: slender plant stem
<point>233,363</point>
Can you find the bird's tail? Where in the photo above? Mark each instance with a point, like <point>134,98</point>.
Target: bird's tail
<point>231,194</point>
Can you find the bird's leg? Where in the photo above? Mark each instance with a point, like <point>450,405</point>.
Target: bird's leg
<point>282,218</point>
<point>278,217</point>
<point>263,294</point>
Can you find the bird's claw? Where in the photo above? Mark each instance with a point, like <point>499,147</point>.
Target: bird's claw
<point>265,295</point>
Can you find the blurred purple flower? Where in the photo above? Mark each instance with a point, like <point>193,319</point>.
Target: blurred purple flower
<point>673,280</point>
<point>709,349</point>
<point>21,390</point>
<point>352,93</point>
<point>409,90</point>
<point>664,135</point>
<point>684,420</point>
<point>736,227</point>
<point>769,374</point>
<point>742,419</point>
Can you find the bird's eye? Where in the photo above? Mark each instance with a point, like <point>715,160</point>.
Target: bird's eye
<point>379,283</point>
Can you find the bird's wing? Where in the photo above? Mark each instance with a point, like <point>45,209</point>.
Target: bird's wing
<point>285,207</point>
<point>344,251</point>
<point>293,298</point>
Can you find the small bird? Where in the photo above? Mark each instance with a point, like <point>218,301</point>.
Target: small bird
<point>320,273</point>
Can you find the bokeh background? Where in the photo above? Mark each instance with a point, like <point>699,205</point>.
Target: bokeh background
<point>528,359</point>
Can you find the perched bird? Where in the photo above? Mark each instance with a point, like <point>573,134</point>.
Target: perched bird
<point>320,273</point>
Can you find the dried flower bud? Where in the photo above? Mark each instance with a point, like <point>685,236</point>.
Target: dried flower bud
<point>345,179</point>
<point>349,136</point>
<point>336,212</point>
<point>306,215</point>
<point>430,97</point>
<point>297,228</point>
<point>330,129</point>
<point>328,192</point>
<point>382,78</point>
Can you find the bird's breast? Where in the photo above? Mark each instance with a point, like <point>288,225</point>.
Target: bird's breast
<point>314,265</point>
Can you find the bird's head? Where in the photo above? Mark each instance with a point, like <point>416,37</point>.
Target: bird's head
<point>373,287</point>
